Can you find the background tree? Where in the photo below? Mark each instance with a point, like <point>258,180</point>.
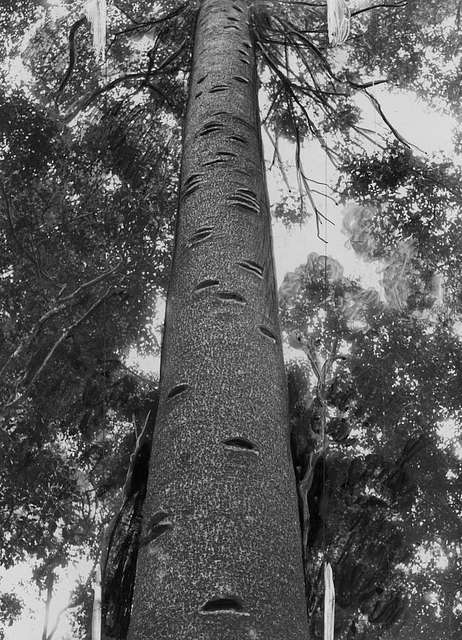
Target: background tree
<point>386,492</point>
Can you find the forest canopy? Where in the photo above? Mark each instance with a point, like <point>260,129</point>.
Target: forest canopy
<point>89,173</point>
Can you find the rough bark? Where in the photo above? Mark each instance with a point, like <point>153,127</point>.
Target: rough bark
<point>220,554</point>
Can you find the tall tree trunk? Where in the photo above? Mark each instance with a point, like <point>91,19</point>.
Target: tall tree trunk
<point>50,580</point>
<point>220,554</point>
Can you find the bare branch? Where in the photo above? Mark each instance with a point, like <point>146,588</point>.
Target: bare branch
<point>277,156</point>
<point>79,105</point>
<point>139,26</point>
<point>90,283</point>
<point>51,313</point>
<point>64,334</point>
<point>72,33</point>
<point>399,5</point>
<point>379,110</point>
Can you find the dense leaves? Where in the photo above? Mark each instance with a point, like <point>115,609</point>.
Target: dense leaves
<point>406,213</point>
<point>389,487</point>
<point>85,239</point>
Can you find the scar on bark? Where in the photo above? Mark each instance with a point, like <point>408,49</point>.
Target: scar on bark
<point>204,233</point>
<point>192,184</point>
<point>229,296</point>
<point>226,154</point>
<point>229,604</point>
<point>216,160</point>
<point>244,123</point>
<point>158,525</point>
<point>206,284</point>
<point>267,333</point>
<point>252,267</point>
<point>238,138</point>
<point>210,127</point>
<point>246,199</point>
<point>219,87</point>
<point>177,390</point>
<point>240,444</point>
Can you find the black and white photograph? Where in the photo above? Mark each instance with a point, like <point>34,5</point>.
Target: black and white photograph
<point>230,320</point>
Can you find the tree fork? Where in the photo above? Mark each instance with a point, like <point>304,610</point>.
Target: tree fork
<point>220,554</point>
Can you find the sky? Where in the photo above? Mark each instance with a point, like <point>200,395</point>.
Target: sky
<point>427,129</point>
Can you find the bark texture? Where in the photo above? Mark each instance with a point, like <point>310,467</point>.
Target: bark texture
<point>220,555</point>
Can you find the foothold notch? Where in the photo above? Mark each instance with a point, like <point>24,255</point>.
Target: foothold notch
<point>226,154</point>
<point>177,390</point>
<point>206,284</point>
<point>204,233</point>
<point>246,199</point>
<point>238,138</point>
<point>230,604</point>
<point>218,87</point>
<point>192,184</point>
<point>218,160</point>
<point>210,127</point>
<point>267,333</point>
<point>229,296</point>
<point>252,267</point>
<point>240,444</point>
<point>157,526</point>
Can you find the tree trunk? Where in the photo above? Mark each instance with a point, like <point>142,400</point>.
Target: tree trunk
<point>96,611</point>
<point>221,554</point>
<point>50,580</point>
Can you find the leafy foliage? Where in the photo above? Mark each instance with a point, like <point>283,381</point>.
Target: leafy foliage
<point>389,487</point>
<point>10,609</point>
<point>85,237</point>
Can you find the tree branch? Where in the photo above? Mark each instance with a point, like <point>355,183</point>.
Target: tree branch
<point>72,33</point>
<point>86,101</point>
<point>64,334</point>
<point>138,26</point>
<point>380,6</point>
<point>52,312</point>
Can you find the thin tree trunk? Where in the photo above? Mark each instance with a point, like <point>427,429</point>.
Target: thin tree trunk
<point>220,555</point>
<point>49,585</point>
<point>96,611</point>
